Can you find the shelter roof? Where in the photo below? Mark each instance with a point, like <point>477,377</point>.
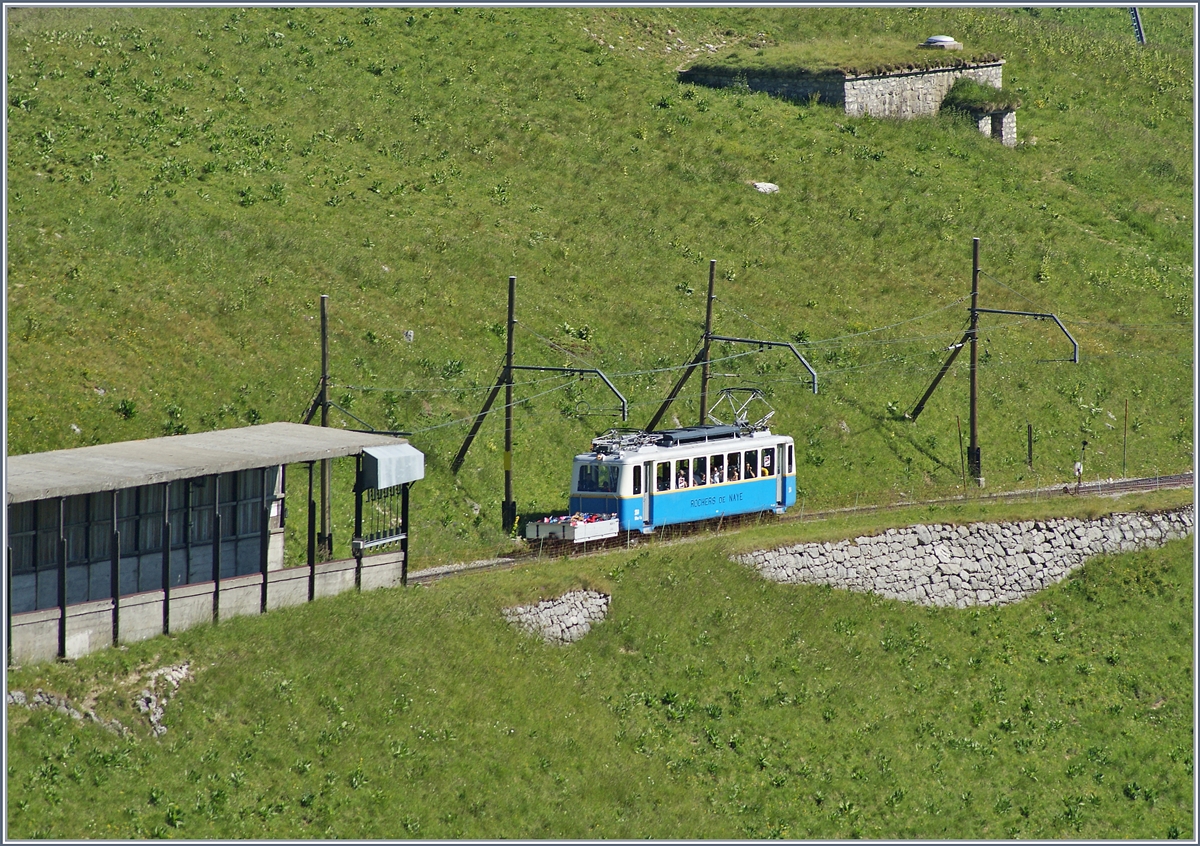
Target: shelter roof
<point>107,467</point>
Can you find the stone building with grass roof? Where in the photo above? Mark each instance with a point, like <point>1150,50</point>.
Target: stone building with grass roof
<point>879,80</point>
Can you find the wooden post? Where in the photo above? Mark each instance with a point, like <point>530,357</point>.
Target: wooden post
<point>974,463</point>
<point>265,540</point>
<point>712,275</point>
<point>166,558</point>
<point>115,571</point>
<point>404,529</point>
<point>509,507</point>
<point>62,577</point>
<point>216,546</point>
<point>1125,439</point>
<point>325,537</point>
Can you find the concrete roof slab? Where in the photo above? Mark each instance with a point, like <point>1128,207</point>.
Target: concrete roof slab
<point>66,472</point>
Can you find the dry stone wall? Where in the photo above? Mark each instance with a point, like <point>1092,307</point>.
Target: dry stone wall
<point>562,620</point>
<point>909,95</point>
<point>962,566</point>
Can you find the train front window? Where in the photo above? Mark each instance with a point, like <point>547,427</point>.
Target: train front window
<point>598,477</point>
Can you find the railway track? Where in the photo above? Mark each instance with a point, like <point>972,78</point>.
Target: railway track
<point>563,548</point>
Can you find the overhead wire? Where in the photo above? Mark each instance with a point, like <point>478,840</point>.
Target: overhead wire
<point>446,390</point>
<point>555,345</point>
<point>991,278</point>
<point>836,338</point>
<point>809,345</point>
<point>1180,327</point>
<point>514,404</point>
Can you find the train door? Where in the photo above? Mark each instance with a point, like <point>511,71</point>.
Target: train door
<point>647,493</point>
<point>780,477</point>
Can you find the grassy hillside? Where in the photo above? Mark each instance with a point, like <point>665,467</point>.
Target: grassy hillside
<point>709,704</point>
<point>184,183</point>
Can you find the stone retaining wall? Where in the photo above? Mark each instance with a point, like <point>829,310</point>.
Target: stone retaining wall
<point>562,620</point>
<point>961,566</point>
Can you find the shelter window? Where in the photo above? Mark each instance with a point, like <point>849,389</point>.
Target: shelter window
<point>22,534</point>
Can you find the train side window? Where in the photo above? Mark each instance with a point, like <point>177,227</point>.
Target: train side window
<point>791,462</point>
<point>663,476</point>
<point>699,471</point>
<point>716,469</point>
<point>681,473</point>
<point>751,463</point>
<point>768,465</point>
<point>735,467</point>
<point>637,479</point>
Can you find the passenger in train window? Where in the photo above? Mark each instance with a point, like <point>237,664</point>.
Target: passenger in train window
<point>681,473</point>
<point>608,478</point>
<point>735,463</point>
<point>751,463</point>
<point>682,481</point>
<point>717,463</point>
<point>699,477</point>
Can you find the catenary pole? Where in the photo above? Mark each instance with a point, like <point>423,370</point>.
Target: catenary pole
<point>708,313</point>
<point>509,516</point>
<point>325,536</point>
<point>974,467</point>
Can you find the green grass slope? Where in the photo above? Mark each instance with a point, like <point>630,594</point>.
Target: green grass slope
<point>184,183</point>
<point>710,704</point>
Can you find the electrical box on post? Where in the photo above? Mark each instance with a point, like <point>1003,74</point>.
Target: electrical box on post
<point>388,466</point>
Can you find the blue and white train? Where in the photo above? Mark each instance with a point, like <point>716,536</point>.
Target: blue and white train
<point>653,479</point>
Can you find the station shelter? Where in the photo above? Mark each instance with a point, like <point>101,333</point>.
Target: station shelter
<point>119,542</point>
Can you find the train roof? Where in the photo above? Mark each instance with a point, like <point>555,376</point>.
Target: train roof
<point>619,441</point>
<point>698,434</point>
